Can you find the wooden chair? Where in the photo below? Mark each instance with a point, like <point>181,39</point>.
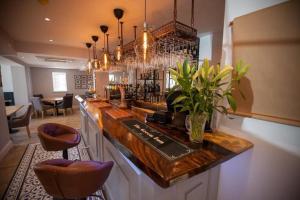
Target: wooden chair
<point>66,104</point>
<point>44,102</point>
<point>22,121</point>
<point>40,107</point>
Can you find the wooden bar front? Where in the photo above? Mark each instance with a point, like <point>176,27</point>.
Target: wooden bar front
<point>217,147</point>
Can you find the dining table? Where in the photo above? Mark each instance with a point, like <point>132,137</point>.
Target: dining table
<point>10,111</point>
<point>54,100</point>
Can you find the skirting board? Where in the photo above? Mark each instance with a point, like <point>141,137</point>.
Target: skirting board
<point>5,149</point>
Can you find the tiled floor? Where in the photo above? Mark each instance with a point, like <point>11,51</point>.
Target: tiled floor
<point>20,140</point>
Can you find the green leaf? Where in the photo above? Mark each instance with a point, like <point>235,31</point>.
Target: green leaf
<point>217,69</point>
<point>179,99</point>
<point>193,70</point>
<point>177,106</point>
<point>210,71</point>
<point>180,69</point>
<point>206,64</point>
<point>242,71</point>
<point>223,73</point>
<point>184,83</point>
<point>185,108</point>
<point>231,102</point>
<point>196,74</point>
<point>196,106</point>
<point>238,65</point>
<point>173,72</point>
<point>203,72</point>
<point>186,68</point>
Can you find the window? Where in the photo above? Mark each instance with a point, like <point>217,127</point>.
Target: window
<point>111,78</point>
<point>172,82</point>
<point>205,47</point>
<point>59,81</point>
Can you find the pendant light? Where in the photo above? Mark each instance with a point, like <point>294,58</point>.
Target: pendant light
<point>119,14</point>
<point>89,63</point>
<point>95,61</point>
<point>144,44</point>
<point>105,55</point>
<point>145,35</point>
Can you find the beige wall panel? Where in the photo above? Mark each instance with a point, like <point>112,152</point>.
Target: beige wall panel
<point>269,40</point>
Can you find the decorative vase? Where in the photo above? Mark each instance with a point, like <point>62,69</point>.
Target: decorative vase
<point>195,124</point>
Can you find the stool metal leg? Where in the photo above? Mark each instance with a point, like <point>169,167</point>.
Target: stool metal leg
<point>65,154</point>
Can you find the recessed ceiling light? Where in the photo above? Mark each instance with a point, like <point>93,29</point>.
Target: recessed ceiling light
<point>47,19</point>
<point>50,40</point>
<point>22,57</point>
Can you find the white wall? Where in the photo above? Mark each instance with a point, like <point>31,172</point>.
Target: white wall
<point>15,79</point>
<point>42,83</point>
<point>20,85</point>
<point>6,78</point>
<point>4,134</point>
<point>271,169</point>
<point>29,82</point>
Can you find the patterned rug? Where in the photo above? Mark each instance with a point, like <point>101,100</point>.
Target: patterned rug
<point>25,185</point>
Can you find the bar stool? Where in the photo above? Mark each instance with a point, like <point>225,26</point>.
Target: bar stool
<point>66,179</point>
<point>57,137</point>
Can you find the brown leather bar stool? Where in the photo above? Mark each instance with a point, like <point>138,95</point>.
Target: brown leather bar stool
<point>57,137</point>
<point>66,179</point>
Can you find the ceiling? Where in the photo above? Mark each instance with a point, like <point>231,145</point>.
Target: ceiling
<point>61,62</point>
<point>5,61</point>
<point>74,21</point>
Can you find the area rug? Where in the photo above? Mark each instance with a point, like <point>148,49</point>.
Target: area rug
<point>25,185</point>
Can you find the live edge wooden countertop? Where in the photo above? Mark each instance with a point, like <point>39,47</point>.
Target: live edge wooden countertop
<point>216,149</point>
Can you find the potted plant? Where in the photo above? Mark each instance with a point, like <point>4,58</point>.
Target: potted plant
<point>202,90</point>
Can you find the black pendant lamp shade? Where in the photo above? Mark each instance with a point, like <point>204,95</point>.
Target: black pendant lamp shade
<point>106,58</point>
<point>118,12</point>
<point>88,45</point>
<point>95,38</point>
<point>89,64</point>
<point>104,28</point>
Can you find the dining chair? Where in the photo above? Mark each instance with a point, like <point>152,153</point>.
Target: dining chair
<point>40,107</point>
<point>38,95</point>
<point>22,121</point>
<point>66,104</point>
<point>44,102</point>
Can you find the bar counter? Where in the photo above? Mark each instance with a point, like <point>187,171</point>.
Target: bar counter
<point>216,148</point>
